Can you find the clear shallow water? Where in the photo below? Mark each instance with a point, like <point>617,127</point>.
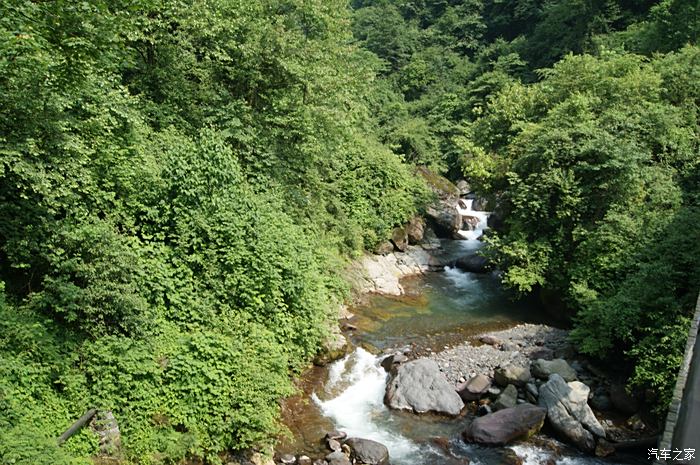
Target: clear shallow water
<point>441,309</point>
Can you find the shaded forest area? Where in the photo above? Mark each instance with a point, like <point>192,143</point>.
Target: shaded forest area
<point>181,184</point>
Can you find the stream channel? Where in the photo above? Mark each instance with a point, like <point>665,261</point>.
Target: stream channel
<point>439,310</point>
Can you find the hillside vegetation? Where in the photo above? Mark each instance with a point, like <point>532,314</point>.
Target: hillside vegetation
<point>182,181</point>
<point>581,118</point>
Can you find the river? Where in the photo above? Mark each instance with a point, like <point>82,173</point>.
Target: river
<point>439,310</point>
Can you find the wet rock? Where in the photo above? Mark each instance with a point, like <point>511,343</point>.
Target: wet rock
<point>511,374</point>
<point>472,263</point>
<point>392,362</point>
<point>333,445</point>
<point>415,230</point>
<point>419,386</point>
<point>337,435</point>
<point>399,238</point>
<point>542,369</point>
<point>445,219</point>
<point>569,413</point>
<point>507,399</point>
<point>368,452</point>
<point>622,400</point>
<point>506,425</point>
<point>335,455</point>
<point>469,223</point>
<point>473,389</point>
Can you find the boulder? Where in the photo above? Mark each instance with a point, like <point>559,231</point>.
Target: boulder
<point>482,204</point>
<point>463,186</point>
<point>469,223</point>
<point>415,230</point>
<point>544,353</point>
<point>368,452</point>
<point>473,263</point>
<point>511,374</point>
<point>337,435</point>
<point>502,427</point>
<point>569,413</point>
<point>288,459</point>
<point>445,219</point>
<point>419,386</point>
<point>391,362</point>
<point>333,445</point>
<point>384,248</point>
<point>474,388</point>
<point>336,455</point>
<point>399,238</point>
<point>507,399</point>
<point>542,369</point>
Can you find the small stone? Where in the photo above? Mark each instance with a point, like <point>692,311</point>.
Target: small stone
<point>333,444</point>
<point>288,459</point>
<point>304,460</point>
<point>337,435</point>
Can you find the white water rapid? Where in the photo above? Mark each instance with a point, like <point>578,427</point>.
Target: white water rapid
<point>464,207</point>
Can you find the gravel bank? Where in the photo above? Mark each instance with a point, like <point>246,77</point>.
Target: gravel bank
<point>517,345</point>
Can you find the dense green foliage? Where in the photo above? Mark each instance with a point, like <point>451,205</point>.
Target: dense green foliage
<point>178,184</point>
<point>569,114</point>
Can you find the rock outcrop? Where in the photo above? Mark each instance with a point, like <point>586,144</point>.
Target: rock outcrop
<point>420,386</point>
<point>569,413</point>
<point>502,427</point>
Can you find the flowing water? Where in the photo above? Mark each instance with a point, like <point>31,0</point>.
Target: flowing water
<point>441,309</point>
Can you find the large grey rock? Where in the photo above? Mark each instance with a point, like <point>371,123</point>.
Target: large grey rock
<point>569,413</point>
<point>511,374</point>
<point>474,388</point>
<point>507,399</point>
<point>506,425</point>
<point>419,386</point>
<point>542,369</point>
<point>473,263</point>
<point>445,219</point>
<point>368,452</point>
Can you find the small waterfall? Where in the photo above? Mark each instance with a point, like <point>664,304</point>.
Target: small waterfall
<point>464,207</point>
<point>355,392</point>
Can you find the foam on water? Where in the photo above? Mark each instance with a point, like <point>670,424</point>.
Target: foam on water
<point>464,207</point>
<point>358,409</point>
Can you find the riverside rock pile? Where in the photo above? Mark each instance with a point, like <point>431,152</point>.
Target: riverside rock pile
<point>515,346</point>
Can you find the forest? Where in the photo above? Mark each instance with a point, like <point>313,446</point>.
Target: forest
<point>182,183</point>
